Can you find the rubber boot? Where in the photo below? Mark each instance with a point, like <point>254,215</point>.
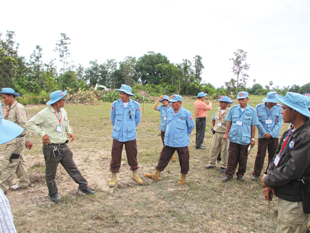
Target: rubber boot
<point>183,180</point>
<point>174,158</point>
<point>136,178</point>
<point>113,180</point>
<point>154,176</point>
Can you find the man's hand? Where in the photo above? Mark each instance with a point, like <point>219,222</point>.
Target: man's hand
<point>28,145</point>
<point>225,136</point>
<point>46,140</point>
<point>252,143</point>
<point>267,136</point>
<point>267,191</point>
<point>71,137</point>
<point>161,97</point>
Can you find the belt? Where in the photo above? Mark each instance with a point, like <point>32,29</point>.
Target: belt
<point>20,136</point>
<point>59,144</point>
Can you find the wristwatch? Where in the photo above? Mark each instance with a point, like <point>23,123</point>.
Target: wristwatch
<point>253,139</point>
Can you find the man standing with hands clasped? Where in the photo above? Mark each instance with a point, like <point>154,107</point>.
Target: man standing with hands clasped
<point>125,117</point>
<point>290,165</point>
<point>201,109</point>
<point>163,109</point>
<point>270,122</point>
<point>241,124</point>
<point>13,161</point>
<point>219,145</point>
<point>52,125</point>
<point>180,124</point>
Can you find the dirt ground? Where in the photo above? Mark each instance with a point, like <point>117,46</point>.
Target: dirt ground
<point>203,204</point>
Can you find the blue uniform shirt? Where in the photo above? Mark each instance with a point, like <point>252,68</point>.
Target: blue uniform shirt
<point>213,117</point>
<point>179,127</point>
<point>241,134</point>
<point>125,120</point>
<point>163,116</point>
<point>270,121</point>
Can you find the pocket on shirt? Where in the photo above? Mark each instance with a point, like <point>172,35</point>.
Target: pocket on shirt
<point>116,130</point>
<point>119,115</point>
<point>245,139</point>
<point>131,132</point>
<point>247,120</point>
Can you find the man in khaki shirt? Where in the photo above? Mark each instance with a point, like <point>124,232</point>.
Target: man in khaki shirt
<point>219,126</point>
<point>13,161</point>
<point>52,125</point>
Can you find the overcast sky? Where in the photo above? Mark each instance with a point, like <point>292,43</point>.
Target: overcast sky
<point>276,34</point>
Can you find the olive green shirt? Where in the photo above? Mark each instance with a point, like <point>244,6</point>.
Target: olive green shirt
<point>46,122</point>
<point>17,114</point>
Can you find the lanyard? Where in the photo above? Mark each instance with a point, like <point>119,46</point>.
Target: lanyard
<point>220,115</point>
<point>240,115</point>
<point>59,119</point>
<point>267,113</point>
<point>285,140</point>
<point>7,114</point>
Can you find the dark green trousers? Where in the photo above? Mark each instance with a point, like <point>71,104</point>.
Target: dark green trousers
<point>66,160</point>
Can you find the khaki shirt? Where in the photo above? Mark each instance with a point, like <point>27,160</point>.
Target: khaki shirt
<point>46,122</point>
<point>17,114</point>
<point>223,121</point>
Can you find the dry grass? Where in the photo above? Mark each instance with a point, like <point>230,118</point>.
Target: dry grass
<point>203,204</point>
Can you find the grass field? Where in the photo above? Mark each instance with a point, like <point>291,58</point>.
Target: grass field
<point>203,204</point>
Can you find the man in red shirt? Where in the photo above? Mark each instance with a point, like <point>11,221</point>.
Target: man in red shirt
<point>201,109</point>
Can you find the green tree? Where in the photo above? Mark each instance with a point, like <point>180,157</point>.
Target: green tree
<point>111,66</point>
<point>198,67</point>
<point>146,67</point>
<point>8,60</point>
<point>231,86</point>
<point>294,88</point>
<point>128,70</point>
<point>95,74</point>
<point>68,80</point>
<point>36,68</point>
<point>304,89</point>
<point>171,76</point>
<point>63,50</point>
<point>239,66</point>
<point>187,76</point>
<point>255,87</point>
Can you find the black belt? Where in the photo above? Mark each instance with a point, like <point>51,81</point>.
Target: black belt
<point>59,144</point>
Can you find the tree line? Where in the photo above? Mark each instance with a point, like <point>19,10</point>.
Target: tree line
<point>152,72</point>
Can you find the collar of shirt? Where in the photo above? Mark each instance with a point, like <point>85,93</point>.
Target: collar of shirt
<point>13,105</point>
<point>295,132</point>
<point>53,110</point>
<point>178,113</point>
<point>128,104</point>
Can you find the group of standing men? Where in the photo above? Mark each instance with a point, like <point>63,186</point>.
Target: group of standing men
<point>286,172</point>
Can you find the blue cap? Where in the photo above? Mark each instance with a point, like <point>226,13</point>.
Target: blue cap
<point>176,98</point>
<point>56,96</point>
<point>225,99</point>
<point>165,98</point>
<point>8,91</point>
<point>8,129</point>
<point>125,88</point>
<point>201,94</point>
<point>307,95</point>
<point>295,101</point>
<point>271,97</point>
<point>242,95</point>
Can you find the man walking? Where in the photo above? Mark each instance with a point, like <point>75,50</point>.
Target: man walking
<point>201,109</point>
<point>125,117</point>
<point>219,145</point>
<point>290,165</point>
<point>269,125</point>
<point>180,124</point>
<point>14,161</point>
<point>52,125</point>
<point>241,124</point>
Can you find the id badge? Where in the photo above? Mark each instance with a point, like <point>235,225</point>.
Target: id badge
<point>277,160</point>
<point>219,124</point>
<point>58,129</point>
<point>239,123</point>
<point>268,122</point>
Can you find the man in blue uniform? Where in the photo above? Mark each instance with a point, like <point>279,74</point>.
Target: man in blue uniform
<point>125,117</point>
<point>270,122</point>
<point>163,109</point>
<point>180,124</point>
<point>291,165</point>
<point>241,128</point>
